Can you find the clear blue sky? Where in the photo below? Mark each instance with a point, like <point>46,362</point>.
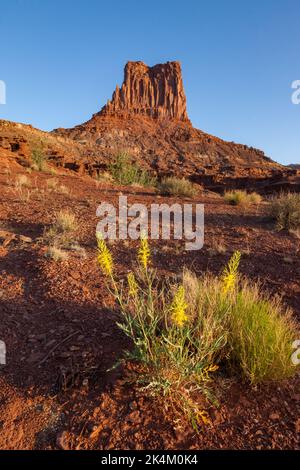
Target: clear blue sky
<point>61,60</point>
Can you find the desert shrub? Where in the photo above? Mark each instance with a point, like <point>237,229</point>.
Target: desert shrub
<point>60,233</point>
<point>38,158</point>
<point>172,186</point>
<point>240,197</point>
<point>125,172</point>
<point>182,332</point>
<point>285,209</point>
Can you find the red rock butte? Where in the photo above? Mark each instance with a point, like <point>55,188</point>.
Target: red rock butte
<point>152,91</point>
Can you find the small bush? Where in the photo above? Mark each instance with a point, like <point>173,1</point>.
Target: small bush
<point>126,172</point>
<point>172,186</point>
<point>285,209</point>
<point>39,160</point>
<point>181,333</point>
<point>240,197</point>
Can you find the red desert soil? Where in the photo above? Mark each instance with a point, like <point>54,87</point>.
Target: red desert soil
<point>59,327</point>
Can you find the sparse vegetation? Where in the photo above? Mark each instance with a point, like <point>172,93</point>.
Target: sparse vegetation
<point>182,333</point>
<point>61,232</point>
<point>285,210</point>
<point>217,247</point>
<point>21,188</point>
<point>39,160</point>
<point>22,181</point>
<point>125,172</point>
<point>242,198</point>
<point>172,186</point>
<point>57,254</point>
<point>53,185</point>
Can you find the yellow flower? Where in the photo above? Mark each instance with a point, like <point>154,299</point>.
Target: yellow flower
<point>230,272</point>
<point>105,258</point>
<point>144,252</point>
<point>132,284</point>
<point>178,307</point>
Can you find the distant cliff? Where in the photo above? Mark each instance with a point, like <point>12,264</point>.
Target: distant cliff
<point>147,117</point>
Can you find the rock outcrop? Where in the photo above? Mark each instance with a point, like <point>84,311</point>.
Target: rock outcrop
<point>147,118</point>
<point>152,91</point>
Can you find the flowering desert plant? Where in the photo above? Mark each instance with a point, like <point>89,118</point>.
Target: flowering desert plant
<point>182,332</point>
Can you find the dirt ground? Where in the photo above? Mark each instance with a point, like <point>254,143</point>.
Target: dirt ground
<point>59,326</point>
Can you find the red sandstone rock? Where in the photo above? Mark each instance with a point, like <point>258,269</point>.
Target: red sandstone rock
<point>153,91</point>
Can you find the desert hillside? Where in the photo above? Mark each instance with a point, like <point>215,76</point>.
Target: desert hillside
<point>59,322</point>
<point>147,118</point>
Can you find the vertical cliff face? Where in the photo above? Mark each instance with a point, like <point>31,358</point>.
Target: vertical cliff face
<point>153,91</point>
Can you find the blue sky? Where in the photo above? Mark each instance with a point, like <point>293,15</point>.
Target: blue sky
<point>61,60</point>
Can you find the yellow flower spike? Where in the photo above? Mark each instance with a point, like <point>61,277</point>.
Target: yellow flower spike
<point>132,284</point>
<point>178,307</point>
<point>144,252</point>
<point>105,258</point>
<point>230,272</point>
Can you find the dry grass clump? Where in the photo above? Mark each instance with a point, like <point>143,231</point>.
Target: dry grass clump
<point>181,187</point>
<point>54,185</point>
<point>239,197</point>
<point>22,181</point>
<point>183,332</point>
<point>285,210</point>
<point>21,188</point>
<point>61,232</point>
<point>57,254</point>
<point>39,159</point>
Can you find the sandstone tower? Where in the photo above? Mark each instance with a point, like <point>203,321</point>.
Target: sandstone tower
<point>153,91</point>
